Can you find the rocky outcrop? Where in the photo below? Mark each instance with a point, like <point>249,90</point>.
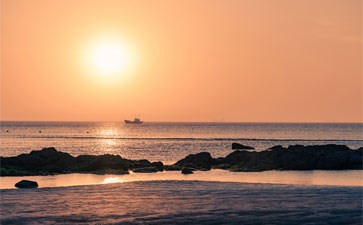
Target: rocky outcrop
<point>42,162</point>
<point>89,163</point>
<point>186,170</point>
<point>295,157</point>
<point>241,146</point>
<point>142,165</point>
<point>26,184</point>
<point>50,161</point>
<point>145,170</point>
<point>172,167</point>
<point>199,161</point>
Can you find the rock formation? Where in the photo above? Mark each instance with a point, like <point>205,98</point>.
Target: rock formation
<point>241,146</point>
<point>295,157</point>
<point>26,184</point>
<point>50,161</point>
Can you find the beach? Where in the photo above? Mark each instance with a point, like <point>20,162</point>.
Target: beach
<point>183,202</point>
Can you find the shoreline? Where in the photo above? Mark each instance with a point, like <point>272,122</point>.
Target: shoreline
<point>346,178</point>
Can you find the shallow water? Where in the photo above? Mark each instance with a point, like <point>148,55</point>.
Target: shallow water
<point>309,178</point>
<point>183,202</point>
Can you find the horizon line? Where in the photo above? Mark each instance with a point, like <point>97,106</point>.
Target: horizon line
<point>156,121</point>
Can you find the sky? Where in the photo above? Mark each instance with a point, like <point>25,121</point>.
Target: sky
<point>192,60</point>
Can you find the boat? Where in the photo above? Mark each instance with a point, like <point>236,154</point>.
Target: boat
<point>135,121</point>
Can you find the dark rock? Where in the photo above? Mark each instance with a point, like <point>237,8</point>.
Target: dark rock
<point>186,170</point>
<point>54,170</point>
<point>239,157</point>
<point>158,165</point>
<point>276,148</point>
<point>26,184</point>
<point>240,146</point>
<point>109,171</point>
<point>4,172</point>
<point>50,161</point>
<point>360,151</point>
<point>39,162</point>
<point>172,168</point>
<point>223,166</point>
<point>294,157</point>
<point>139,164</point>
<point>101,162</point>
<point>146,170</point>
<point>199,161</point>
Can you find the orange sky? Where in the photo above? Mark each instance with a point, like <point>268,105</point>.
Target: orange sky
<point>195,60</point>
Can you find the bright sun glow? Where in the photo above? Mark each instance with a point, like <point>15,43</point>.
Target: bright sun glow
<point>108,59</point>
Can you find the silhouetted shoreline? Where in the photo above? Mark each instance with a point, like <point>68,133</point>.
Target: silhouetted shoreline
<point>49,161</point>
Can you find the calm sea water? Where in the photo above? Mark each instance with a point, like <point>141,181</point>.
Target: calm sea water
<point>168,142</point>
<point>183,202</point>
<point>170,197</point>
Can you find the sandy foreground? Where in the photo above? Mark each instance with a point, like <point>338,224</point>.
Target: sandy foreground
<point>183,202</point>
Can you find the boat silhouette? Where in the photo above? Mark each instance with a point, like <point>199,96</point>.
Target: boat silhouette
<point>135,121</point>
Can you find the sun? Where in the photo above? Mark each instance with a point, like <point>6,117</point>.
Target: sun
<point>108,58</point>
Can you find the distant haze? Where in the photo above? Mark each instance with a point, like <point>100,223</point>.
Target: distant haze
<point>197,60</point>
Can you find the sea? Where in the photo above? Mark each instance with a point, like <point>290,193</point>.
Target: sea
<point>169,141</point>
<point>183,203</point>
<point>169,197</point>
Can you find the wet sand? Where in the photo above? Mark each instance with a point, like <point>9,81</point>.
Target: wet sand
<point>183,202</point>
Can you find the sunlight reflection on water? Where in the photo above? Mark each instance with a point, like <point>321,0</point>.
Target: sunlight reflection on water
<point>167,142</point>
<point>110,180</point>
<point>309,178</point>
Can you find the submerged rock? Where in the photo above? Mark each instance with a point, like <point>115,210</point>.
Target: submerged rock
<point>26,184</point>
<point>186,170</point>
<point>241,146</point>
